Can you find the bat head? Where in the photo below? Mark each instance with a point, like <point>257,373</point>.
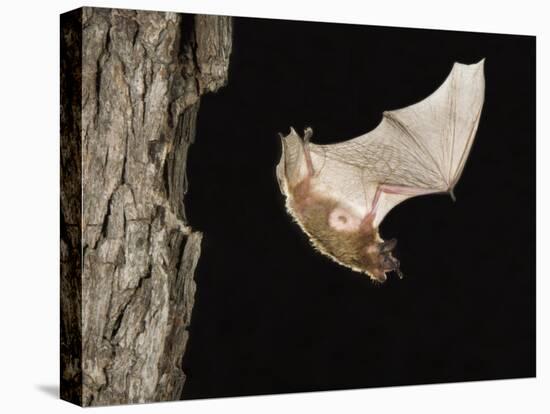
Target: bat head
<point>378,260</point>
<point>362,251</point>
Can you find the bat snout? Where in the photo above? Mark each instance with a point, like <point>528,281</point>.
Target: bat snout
<point>380,261</point>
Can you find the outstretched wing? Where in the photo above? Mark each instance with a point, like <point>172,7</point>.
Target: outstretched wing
<point>416,150</point>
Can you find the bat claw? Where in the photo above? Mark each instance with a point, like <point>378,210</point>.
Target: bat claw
<point>452,194</point>
<point>308,133</point>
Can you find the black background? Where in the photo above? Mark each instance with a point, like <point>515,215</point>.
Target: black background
<point>271,314</point>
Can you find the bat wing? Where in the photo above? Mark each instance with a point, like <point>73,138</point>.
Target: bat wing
<point>420,149</point>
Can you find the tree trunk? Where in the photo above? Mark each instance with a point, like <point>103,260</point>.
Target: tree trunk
<point>131,83</point>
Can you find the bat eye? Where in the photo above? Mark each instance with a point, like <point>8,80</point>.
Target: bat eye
<point>342,219</point>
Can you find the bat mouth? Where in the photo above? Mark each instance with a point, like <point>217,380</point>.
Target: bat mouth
<point>378,260</point>
<point>391,264</point>
<point>387,262</point>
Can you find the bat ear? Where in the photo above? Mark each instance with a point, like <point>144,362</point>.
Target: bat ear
<point>388,245</point>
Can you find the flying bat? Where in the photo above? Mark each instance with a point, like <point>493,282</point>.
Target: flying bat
<point>340,193</point>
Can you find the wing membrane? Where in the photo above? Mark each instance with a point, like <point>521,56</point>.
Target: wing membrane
<point>422,147</point>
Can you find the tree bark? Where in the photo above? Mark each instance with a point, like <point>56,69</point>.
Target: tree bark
<point>125,137</point>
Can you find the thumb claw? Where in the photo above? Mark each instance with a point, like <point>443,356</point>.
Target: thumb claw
<point>308,132</point>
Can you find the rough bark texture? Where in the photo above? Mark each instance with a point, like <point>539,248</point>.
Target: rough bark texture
<point>142,76</point>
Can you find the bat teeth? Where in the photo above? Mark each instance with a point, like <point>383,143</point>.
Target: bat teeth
<point>396,267</point>
<point>390,263</point>
<point>399,273</point>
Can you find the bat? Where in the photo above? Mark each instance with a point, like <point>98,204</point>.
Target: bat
<point>340,193</point>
